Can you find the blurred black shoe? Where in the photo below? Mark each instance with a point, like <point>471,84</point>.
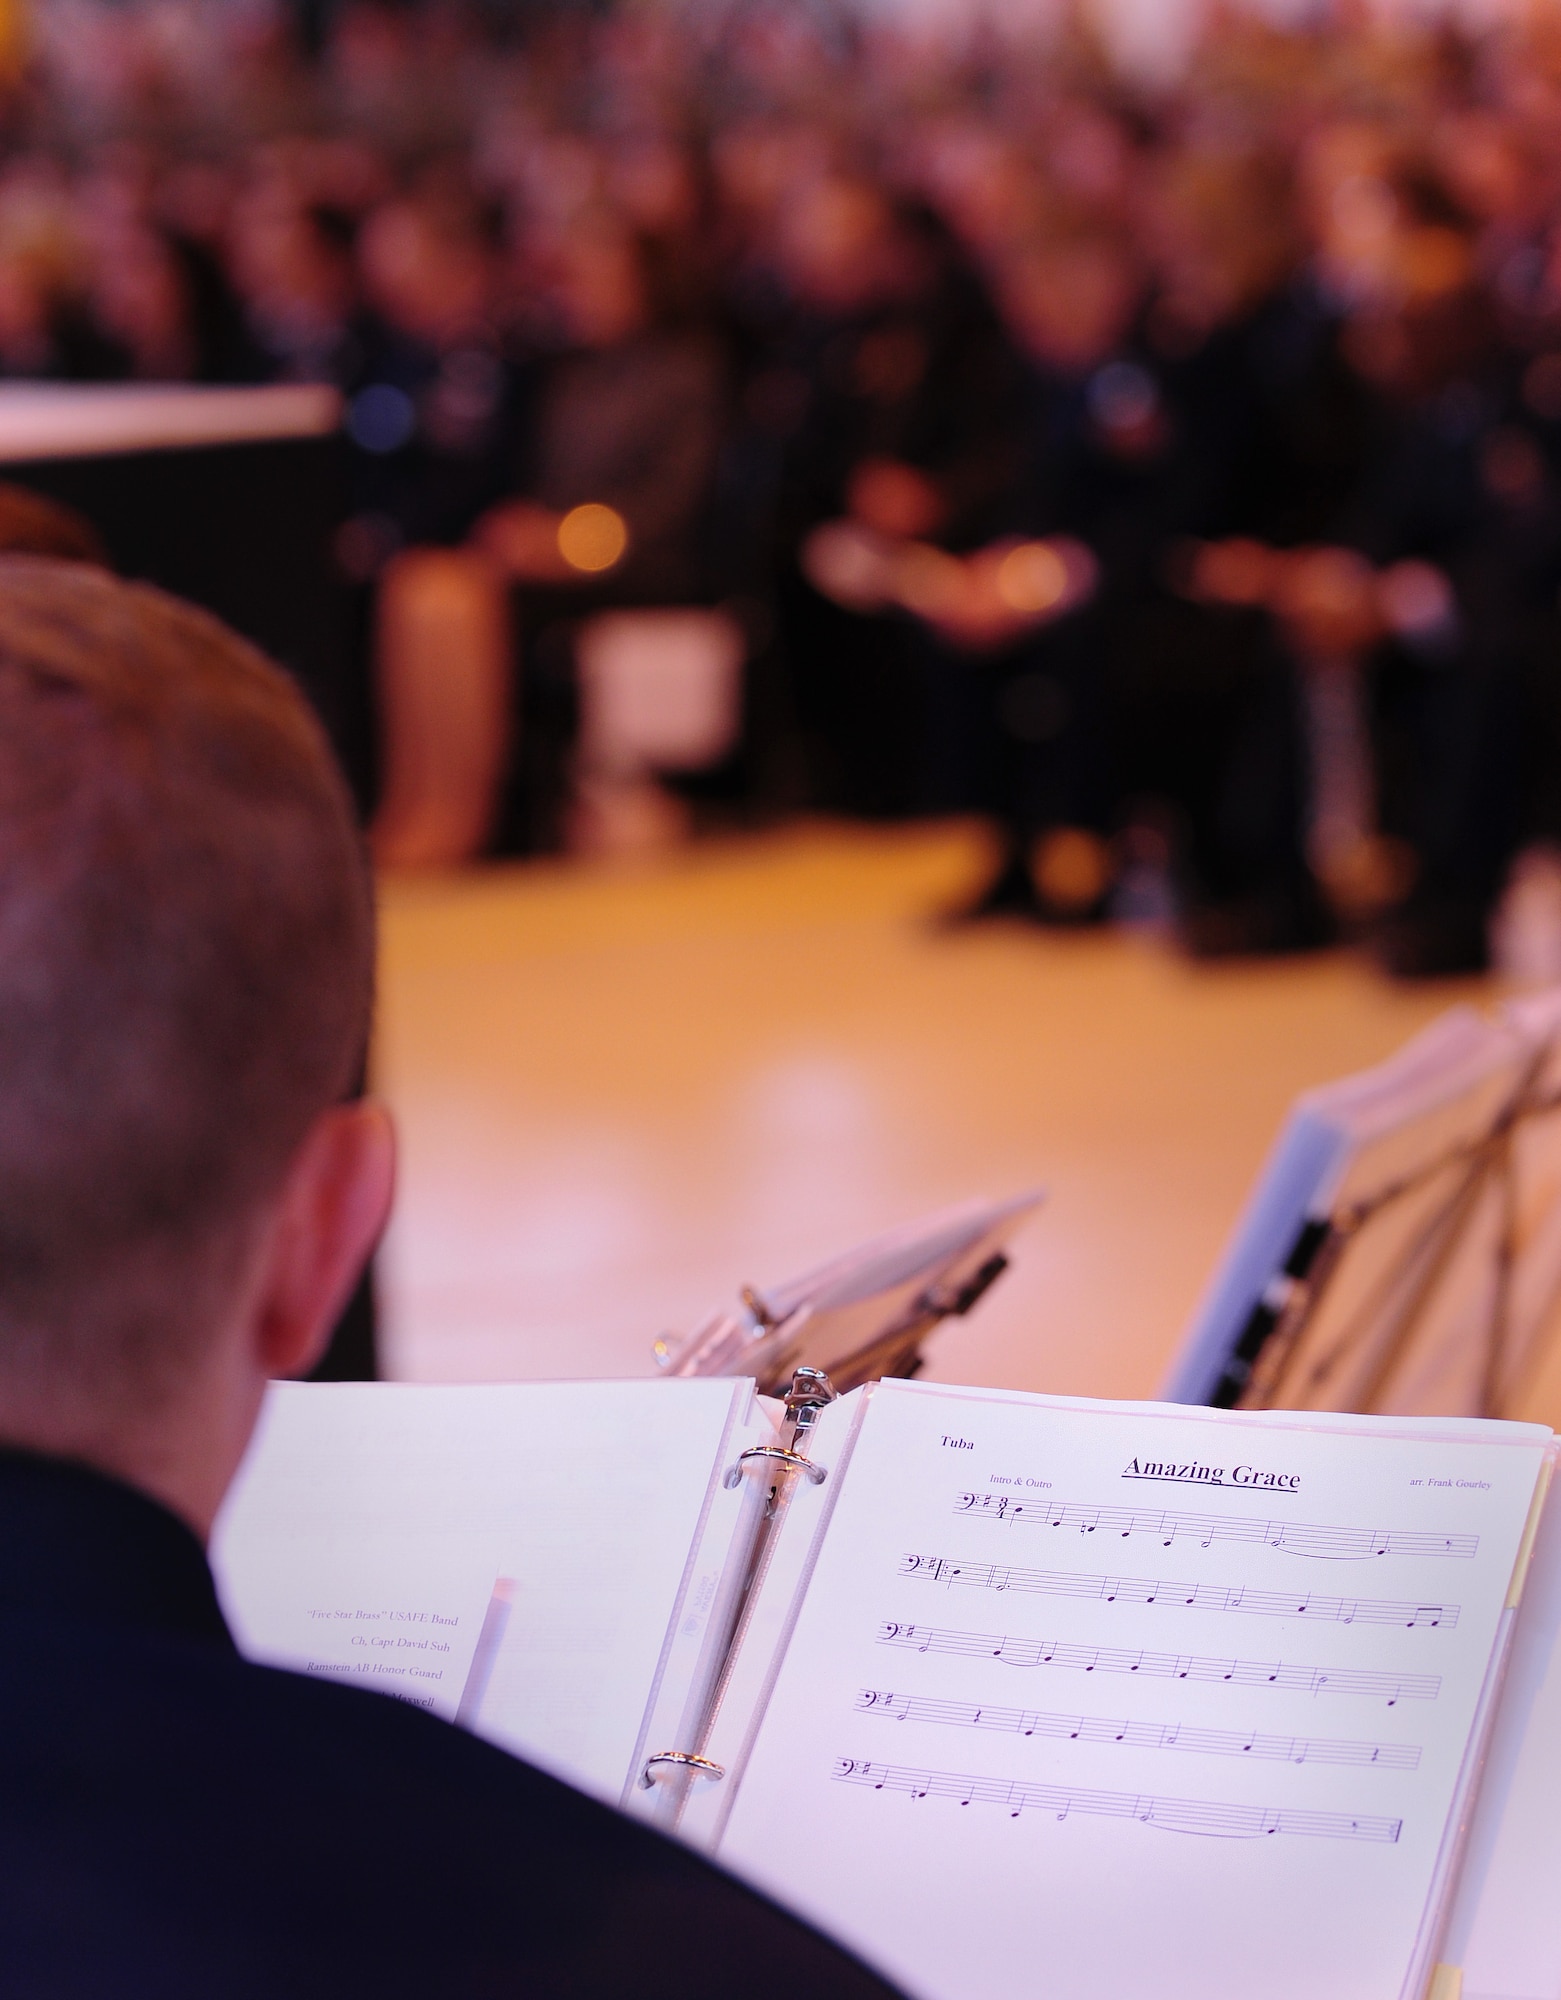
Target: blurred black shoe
<point>1063,880</point>
<point>1434,940</point>
<point>1010,893</point>
<point>1276,922</point>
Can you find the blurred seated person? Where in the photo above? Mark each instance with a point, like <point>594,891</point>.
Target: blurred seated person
<point>431,397</point>
<point>1264,432</point>
<point>1005,561</point>
<point>158,293</point>
<point>292,265</point>
<point>1103,442</point>
<point>901,499</point>
<point>610,477</point>
<point>432,404</point>
<point>1423,634</point>
<point>187,1191</point>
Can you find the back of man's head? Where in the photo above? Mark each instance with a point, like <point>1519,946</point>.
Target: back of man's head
<point>186,948</point>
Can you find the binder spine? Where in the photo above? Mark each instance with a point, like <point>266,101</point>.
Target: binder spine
<point>674,1771</point>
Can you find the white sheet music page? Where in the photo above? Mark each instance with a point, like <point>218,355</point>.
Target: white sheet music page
<point>1505,1930</point>
<point>401,1617</point>
<point>545,1532</point>
<point>1100,1700</point>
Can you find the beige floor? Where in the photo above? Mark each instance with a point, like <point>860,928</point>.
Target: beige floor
<point>623,1093</point>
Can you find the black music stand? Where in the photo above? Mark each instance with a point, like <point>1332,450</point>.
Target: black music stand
<point>1464,1227</point>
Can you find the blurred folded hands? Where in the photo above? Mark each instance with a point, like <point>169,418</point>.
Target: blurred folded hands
<point>977,602</point>
<point>1329,599</point>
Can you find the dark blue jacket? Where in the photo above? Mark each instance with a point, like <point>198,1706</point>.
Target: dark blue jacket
<point>177,1823</point>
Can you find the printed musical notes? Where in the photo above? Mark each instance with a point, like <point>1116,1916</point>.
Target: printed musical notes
<point>1022,1685</point>
<point>1031,1720</point>
<point>1139,1735</point>
<point>1231,1822</point>
<point>1201,1596</point>
<point>1012,1652</point>
<point>1297,1538</point>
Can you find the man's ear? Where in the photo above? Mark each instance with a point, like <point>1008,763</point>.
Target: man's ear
<point>333,1207</point>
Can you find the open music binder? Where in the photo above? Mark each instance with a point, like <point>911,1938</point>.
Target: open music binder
<point>1402,1250</point>
<point>1016,1695</point>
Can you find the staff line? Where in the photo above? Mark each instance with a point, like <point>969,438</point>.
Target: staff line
<point>1015,1652</point>
<point>1200,1596</point>
<point>1138,1735</point>
<point>1300,1538</point>
<point>1202,1816</point>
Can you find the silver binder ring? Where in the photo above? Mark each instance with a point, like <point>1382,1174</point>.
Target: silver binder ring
<point>777,1455</point>
<point>682,1760</point>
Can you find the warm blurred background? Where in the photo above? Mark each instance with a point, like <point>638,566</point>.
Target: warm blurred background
<point>923,597</point>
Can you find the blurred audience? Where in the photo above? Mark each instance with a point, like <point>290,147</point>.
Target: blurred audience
<point>1163,462</point>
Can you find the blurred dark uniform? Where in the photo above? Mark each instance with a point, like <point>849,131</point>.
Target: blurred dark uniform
<point>929,380</point>
<point>1464,714</point>
<point>1126,708</point>
<point>1118,459</point>
<point>1447,467</point>
<point>637,427</point>
<point>434,432</point>
<point>1276,435</point>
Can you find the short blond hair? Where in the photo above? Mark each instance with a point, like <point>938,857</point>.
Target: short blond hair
<point>186,960</point>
